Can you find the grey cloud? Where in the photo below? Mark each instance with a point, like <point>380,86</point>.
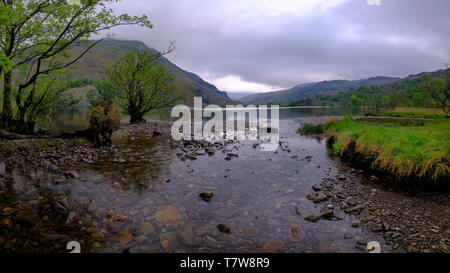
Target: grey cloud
<point>351,41</point>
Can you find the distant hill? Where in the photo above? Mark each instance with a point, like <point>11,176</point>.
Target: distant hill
<point>96,62</point>
<point>307,90</point>
<point>404,92</point>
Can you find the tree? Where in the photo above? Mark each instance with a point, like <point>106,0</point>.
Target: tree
<point>104,92</point>
<point>142,84</point>
<point>439,89</point>
<point>35,36</point>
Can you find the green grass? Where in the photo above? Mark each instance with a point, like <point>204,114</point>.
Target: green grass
<point>310,129</point>
<point>407,151</point>
<point>412,115</point>
<point>425,113</point>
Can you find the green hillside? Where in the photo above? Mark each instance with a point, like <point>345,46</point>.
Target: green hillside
<point>96,62</point>
<point>307,90</point>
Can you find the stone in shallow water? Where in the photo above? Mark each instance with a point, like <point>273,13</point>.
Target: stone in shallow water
<point>145,228</point>
<point>297,234</point>
<point>251,231</point>
<point>223,228</point>
<point>312,218</point>
<point>169,216</point>
<point>206,196</point>
<point>113,222</point>
<point>123,237</point>
<point>273,246</point>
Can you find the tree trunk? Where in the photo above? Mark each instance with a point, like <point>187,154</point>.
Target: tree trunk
<point>7,112</point>
<point>137,119</point>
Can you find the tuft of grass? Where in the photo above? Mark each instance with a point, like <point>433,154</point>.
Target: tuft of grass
<point>310,129</point>
<point>421,151</point>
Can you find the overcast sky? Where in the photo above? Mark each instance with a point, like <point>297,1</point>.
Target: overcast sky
<point>264,45</point>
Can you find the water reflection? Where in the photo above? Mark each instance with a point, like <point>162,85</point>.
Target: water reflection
<point>77,118</point>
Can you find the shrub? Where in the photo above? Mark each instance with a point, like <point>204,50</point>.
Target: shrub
<point>104,119</point>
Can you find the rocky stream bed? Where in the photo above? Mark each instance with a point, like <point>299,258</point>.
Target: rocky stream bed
<point>148,193</point>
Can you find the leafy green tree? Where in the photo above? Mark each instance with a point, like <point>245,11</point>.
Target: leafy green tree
<point>355,101</point>
<point>141,84</point>
<point>35,36</point>
<point>104,92</point>
<point>439,89</point>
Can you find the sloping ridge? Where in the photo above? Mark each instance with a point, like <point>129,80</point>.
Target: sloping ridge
<point>309,89</point>
<point>97,61</point>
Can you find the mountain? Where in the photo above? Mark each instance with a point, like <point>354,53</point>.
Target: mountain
<point>97,60</point>
<point>309,89</point>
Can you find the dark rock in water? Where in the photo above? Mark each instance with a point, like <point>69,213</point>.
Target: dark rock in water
<point>362,242</point>
<point>341,177</point>
<point>328,214</point>
<point>206,196</point>
<point>317,187</point>
<point>297,210</point>
<point>320,197</point>
<point>355,224</point>
<point>71,174</point>
<point>223,228</point>
<point>114,222</point>
<point>312,218</point>
<point>157,133</point>
<point>227,158</point>
<point>60,202</point>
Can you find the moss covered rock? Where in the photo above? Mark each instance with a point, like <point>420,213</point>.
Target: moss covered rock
<point>104,119</point>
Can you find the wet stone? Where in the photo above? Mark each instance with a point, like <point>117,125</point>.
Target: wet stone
<point>297,234</point>
<point>123,237</point>
<point>251,231</point>
<point>223,228</point>
<point>145,228</point>
<point>169,216</point>
<point>206,196</point>
<point>273,246</point>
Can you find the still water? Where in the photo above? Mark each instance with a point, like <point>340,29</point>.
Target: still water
<point>259,196</point>
<point>77,118</point>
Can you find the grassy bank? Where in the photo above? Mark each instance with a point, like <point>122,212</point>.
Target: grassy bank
<point>409,151</point>
<point>426,113</point>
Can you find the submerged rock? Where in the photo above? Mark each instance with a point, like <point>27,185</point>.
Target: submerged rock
<point>223,228</point>
<point>114,222</point>
<point>273,246</point>
<point>206,196</point>
<point>169,216</point>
